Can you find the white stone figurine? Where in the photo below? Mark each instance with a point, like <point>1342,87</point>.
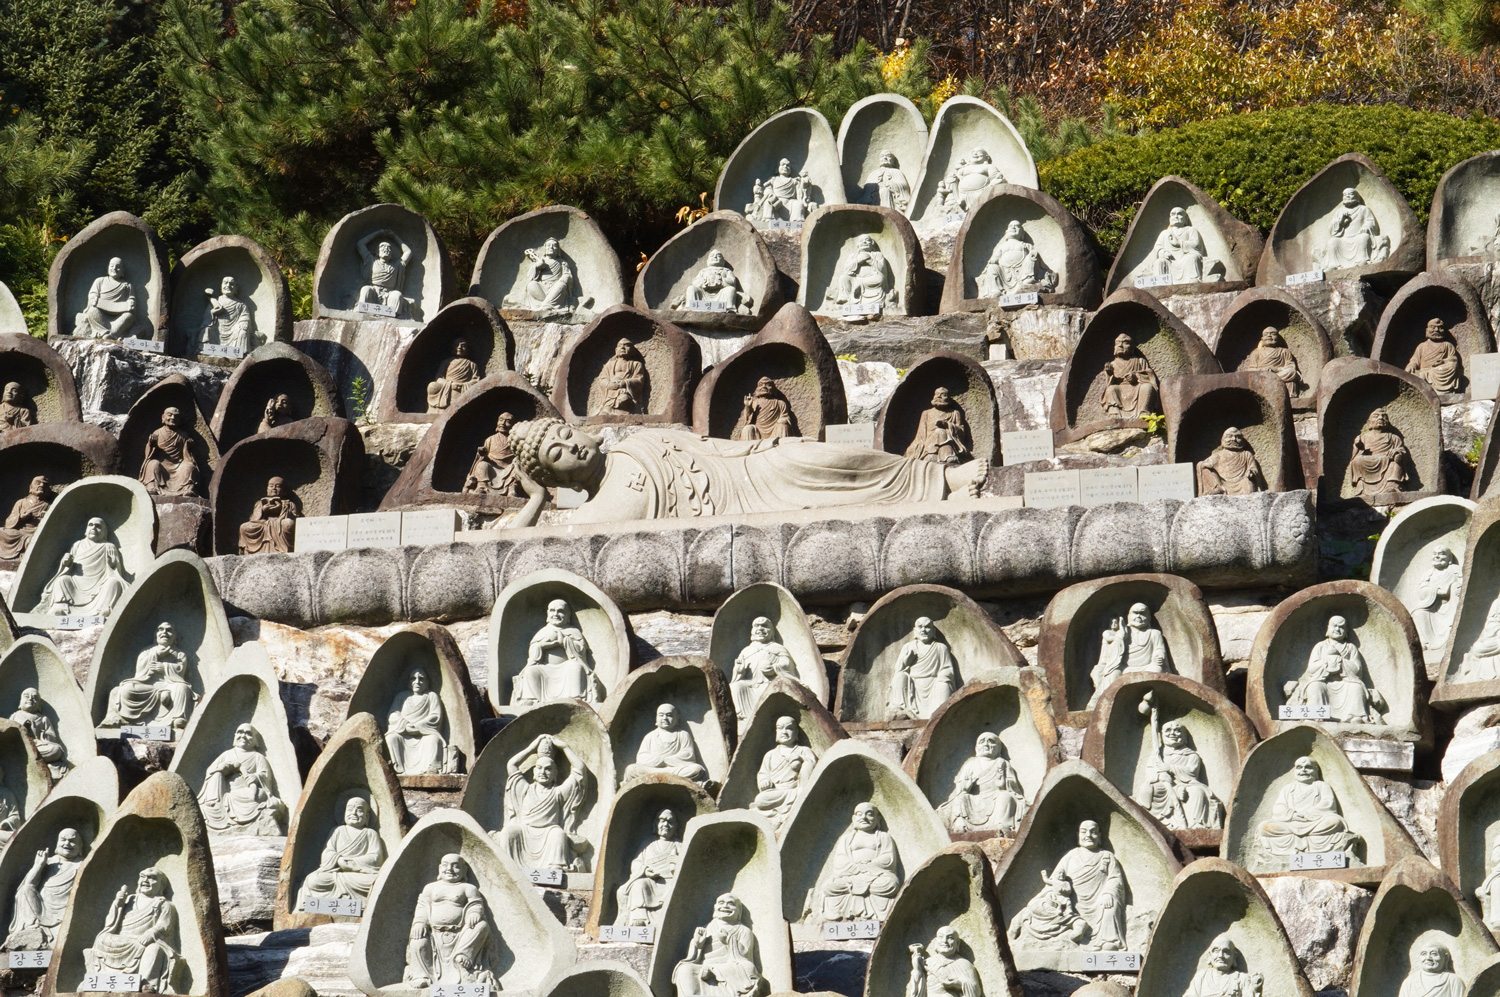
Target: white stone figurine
<point>1177,792</point>
<point>1307,819</point>
<point>863,279</point>
<point>723,957</point>
<point>757,665</point>
<point>548,284</point>
<point>1354,237</point>
<point>863,875</point>
<point>113,310</point>
<point>159,691</point>
<point>1093,883</point>
<point>1015,267</point>
<point>1180,253</point>
<point>559,664</point>
<point>140,936</point>
<point>1222,973</point>
<point>1338,678</point>
<point>987,794</point>
<point>42,897</point>
<point>784,772</point>
<point>453,938</point>
<point>1481,662</point>
<point>542,811</point>
<point>716,283</point>
<point>384,270</point>
<point>459,373</point>
<point>414,730</point>
<point>887,186</point>
<point>227,320</point>
<point>1132,644</point>
<point>1050,920</point>
<point>1436,602</point>
<point>239,790</point>
<point>90,577</point>
<point>940,969</point>
<point>1272,354</point>
<point>668,747</point>
<point>785,196</point>
<point>639,900</point>
<point>49,746</point>
<point>351,860</point>
<point>925,674</point>
<point>1433,975</point>
<point>974,174</point>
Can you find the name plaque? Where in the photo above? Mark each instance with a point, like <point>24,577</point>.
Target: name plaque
<point>145,345</point>
<point>1050,489</point>
<point>1024,445</point>
<point>643,934</point>
<point>844,930</point>
<point>1104,485</point>
<point>1156,482</point>
<point>1305,277</point>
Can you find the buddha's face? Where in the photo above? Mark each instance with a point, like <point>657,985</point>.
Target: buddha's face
<point>786,731</point>
<point>622,348</point>
<point>1179,218</point>
<point>1173,734</point>
<point>666,825</point>
<point>244,737</point>
<point>1306,771</point>
<point>557,612</point>
<point>451,868</point>
<point>1123,345</point>
<point>922,630</point>
<point>945,943</point>
<point>171,417</point>
<point>550,247</point>
<point>460,347</point>
<point>1433,958</point>
<point>274,486</point>
<point>1221,955</point>
<point>760,630</point>
<point>987,745</point>
<point>1337,628</point>
<point>1233,439</point>
<point>13,393</point>
<point>941,398</point>
<point>666,717</point>
<point>866,243</point>
<point>1441,558</point>
<point>570,454</point>
<point>96,530</point>
<point>979,155</point>
<point>1270,337</point>
<point>1378,420</point>
<point>117,268</point>
<point>165,635</point>
<point>1435,330</point>
<point>1351,197</point>
<point>418,681</point>
<point>784,167</point>
<point>866,817</point>
<point>726,907</point>
<point>1088,835</point>
<point>356,813</point>
<point>229,287</point>
<point>1013,230</point>
<point>1139,616</point>
<point>38,486</point>
<point>765,388</point>
<point>29,699</point>
<point>503,424</point>
<point>149,883</point>
<point>69,844</point>
<point>387,251</point>
<point>887,158</point>
<point>545,771</point>
<point>716,259</point>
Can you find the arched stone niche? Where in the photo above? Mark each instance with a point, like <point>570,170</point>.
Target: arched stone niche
<point>269,372</point>
<point>792,351</point>
<point>801,136</point>
<point>1406,565</point>
<point>730,636</point>
<point>662,286</point>
<point>527,944</point>
<point>968,384</point>
<point>12,320</point>
<point>1254,311</point>
<point>1469,833</point>
<point>341,270</point>
<point>1489,456</point>
<point>1300,239</point>
<point>487,790</point>
<point>831,242</point>
<point>874,125</point>
<point>44,377</point>
<point>503,270</point>
<point>34,662</point>
<point>1064,246</point>
<point>1466,674</point>
<point>198,282</point>
<point>977,646</point>
<point>86,258</point>
<point>1222,257</point>
<point>1486,982</point>
<point>1168,346</point>
<point>521,610</point>
<point>598,978</point>
<point>1199,409</point>
<point>1462,227</point>
<point>351,764</point>
<point>1213,899</point>
<point>1268,774</point>
<point>408,394</point>
<point>700,694</point>
<point>63,453</point>
<point>672,362</point>
<point>816,730</point>
<point>8,628</point>
<point>1449,299</point>
<point>1071,644</point>
<point>145,418</point>
<point>1350,392</point>
<point>962,125</point>
<point>22,773</point>
<point>1147,855</point>
<point>1125,740</point>
<point>158,825</point>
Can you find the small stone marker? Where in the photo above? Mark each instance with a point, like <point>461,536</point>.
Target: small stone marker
<point>1050,489</point>
<point>460,990</point>
<point>115,983</point>
<point>1023,445</point>
<point>32,959</point>
<point>1305,277</point>
<point>781,223</point>
<point>1484,375</point>
<point>1369,754</point>
<point>707,305</point>
<point>147,732</point>
<point>428,526</point>
<point>1018,300</point>
<point>1103,485</point>
<point>335,906</point>
<point>220,350</point>
<point>1319,860</point>
<point>1154,280</point>
<point>371,308</point>
<point>374,529</point>
<point>77,622</point>
<point>1155,482</point>
<point>844,930</point>
<point>148,346</point>
<point>851,434</point>
<point>322,533</point>
<point>1304,712</point>
<point>546,877</point>
<point>1109,962</point>
<point>644,934</point>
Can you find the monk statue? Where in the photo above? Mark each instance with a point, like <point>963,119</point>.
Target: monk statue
<point>975,174</point>
<point>170,467</point>
<point>766,414</point>
<point>1132,644</point>
<point>140,936</point>
<point>494,469</point>
<point>112,311</point>
<point>1222,972</point>
<point>25,516</point>
<point>547,283</point>
<point>542,811</point>
<point>622,384</point>
<point>1130,384</point>
<point>16,409</point>
<point>1232,468</point>
<point>1099,889</point>
<point>227,321</point>
<point>863,281</point>
<point>42,896</point>
<point>1307,818</point>
<point>1336,677</point>
<point>757,666</point>
<point>924,674</point>
<point>723,958</point>
<point>49,747</point>
<point>351,860</point>
<point>987,794</point>
<point>784,773</point>
<point>1488,893</point>
<point>90,577</point>
<point>1179,253</point>
<point>385,273</point>
<point>1275,356</point>
<point>278,413</point>
<point>1015,266</point>
<point>1481,662</point>
<point>940,970</point>
<point>639,900</point>
<point>1354,237</point>
<point>785,196</point>
<point>273,522</point>
<point>715,288</point>
<point>887,186</point>
<point>1436,602</point>
<point>239,790</point>
<point>559,663</point>
<point>453,938</point>
<point>459,373</point>
<point>1433,975</point>
<point>1436,360</point>
<point>160,691</point>
<point>1050,920</point>
<point>668,747</point>
<point>414,730</point>
<point>942,432</point>
<point>863,875</point>
<point>1177,791</point>
<point>1378,464</point>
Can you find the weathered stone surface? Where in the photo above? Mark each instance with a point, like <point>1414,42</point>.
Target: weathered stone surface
<point>292,987</point>
<point>199,276</point>
<point>428,274</point>
<point>830,242</point>
<point>503,269</point>
<point>86,258</point>
<point>962,125</point>
<point>1063,244</point>
<point>245,868</point>
<point>1489,459</point>
<point>1466,828</point>
<point>43,376</point>
<point>866,388</point>
<point>967,384</point>
<point>360,357</point>
<point>699,693</point>
<point>1323,919</point>
<point>1261,308</point>
<point>424,358</point>
<point>270,371</point>
<point>1407,565</point>
<point>111,377</point>
<point>1024,390</point>
<point>145,418</point>
<point>1350,391</point>
<point>1461,226</point>
<point>65,453</point>
<point>666,277</point>
<point>1201,408</point>
<point>800,135</point>
<point>1222,239</point>
<point>731,635</point>
<point>672,363</point>
<point>13,322</point>
<point>1467,673</point>
<point>1443,296</point>
<point>873,126</point>
<point>900,341</point>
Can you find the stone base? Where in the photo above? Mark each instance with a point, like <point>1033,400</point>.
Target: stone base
<point>901,341</point>
<point>246,868</point>
<point>184,522</point>
<point>356,351</point>
<point>111,377</point>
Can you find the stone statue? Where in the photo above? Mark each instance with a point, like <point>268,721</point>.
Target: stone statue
<point>90,577</point>
<point>1436,360</point>
<point>16,409</point>
<point>1437,600</point>
<point>1050,920</point>
<point>49,747</point>
<point>494,469</point>
<point>278,413</point>
<point>783,196</point>
<point>863,875</point>
<point>668,747</point>
<point>1336,677</point>
<point>1222,973</point>
<point>239,790</point>
<point>25,516</point>
<point>559,664</point>
<point>942,432</point>
<point>924,674</point>
<point>1180,253</point>
<point>1176,791</point>
<point>863,279</point>
<point>169,467</point>
<point>458,374</point>
<point>351,860</point>
<point>755,667</point>
<point>987,795</point>
<point>1488,894</point>
<point>887,186</point>
<point>1354,237</point>
<point>414,730</point>
<point>140,936</point>
<point>974,174</point>
<point>1481,662</point>
<point>227,320</point>
<point>1275,356</point>
<point>1232,468</point>
<point>784,772</point>
<point>723,958</point>
<point>766,414</point>
<point>1015,266</point>
<point>640,899</point>
<point>940,970</point>
<point>549,284</point>
<point>42,897</point>
<point>623,382</point>
<point>385,272</point>
<point>542,811</point>
<point>1099,889</point>
<point>11,816</point>
<point>1307,818</point>
<point>159,691</point>
<point>716,282</point>
<point>273,522</point>
<point>1130,384</point>
<point>1433,975</point>
<point>1132,644</point>
<point>1378,465</point>
<point>111,312</point>
<point>453,939</point>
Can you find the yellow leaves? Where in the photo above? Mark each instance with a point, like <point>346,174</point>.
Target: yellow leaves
<point>946,88</point>
<point>686,215</point>
<point>893,64</point>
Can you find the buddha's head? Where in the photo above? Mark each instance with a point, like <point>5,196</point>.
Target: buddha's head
<point>69,845</point>
<point>716,258</point>
<point>461,347</point>
<point>727,906</point>
<point>923,630</point>
<point>1233,439</point>
<point>38,486</point>
<point>166,636</point>
<point>1139,616</point>
<point>1088,835</point>
<point>551,247</point>
<point>945,942</point>
<point>1223,955</point>
<point>784,168</point>
<point>979,155</point>
<point>1338,628</point>
<point>1306,771</point>
<point>30,700</point>
<point>766,388</point>
<point>1270,337</point>
<point>417,681</point>
<point>866,817</point>
<point>760,630</point>
<point>987,744</point>
<point>1174,735</point>
<point>246,738</point>
<point>1434,957</point>
<point>941,398</point>
<point>96,530</point>
<point>866,244</point>
<point>229,287</point>
<point>666,717</point>
<point>12,393</point>
<point>504,423</point>
<point>356,812</point>
<point>1352,198</point>
<point>558,612</point>
<point>387,251</point>
<point>452,868</point>
<point>1178,218</point>
<point>623,349</point>
<point>553,453</point>
<point>666,826</point>
<point>274,487</point>
<point>1379,419</point>
<point>1436,330</point>
<point>786,731</point>
<point>171,416</point>
<point>117,268</point>
<point>1013,230</point>
<point>544,772</point>
<point>151,883</point>
<point>888,158</point>
<point>1124,345</point>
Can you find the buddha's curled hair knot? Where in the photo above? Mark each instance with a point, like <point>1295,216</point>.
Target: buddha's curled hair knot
<point>526,443</point>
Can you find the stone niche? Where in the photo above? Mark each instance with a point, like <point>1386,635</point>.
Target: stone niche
<point>879,124</point>
<point>1470,664</point>
<point>414,283</point>
<point>263,377</point>
<point>1155,736</point>
<point>952,893</point>
<point>1417,561</point>
<point>48,391</point>
<point>1201,409</point>
<point>12,320</point>
<point>258,312</point>
<point>1375,235</point>
<point>85,262</point>
<point>790,770</point>
<point>828,876</point>
<point>964,126</point>
<point>598,978</point>
<point>1079,664</point>
<point>34,662</point>
<point>157,826</point>
<point>838,274</point>
<point>578,281</point>
<point>682,284</point>
<point>792,351</point>
<point>1350,393</point>
<point>1181,235</point>
<point>644,741</point>
<point>1489,457</point>
<point>1324,810</point>
<point>421,387</point>
<point>385,687</point>
<point>1078,814</point>
<point>1096,391</point>
<point>893,677</point>
<point>1450,300</point>
<point>802,137</point>
<point>1469,834</point>
<point>499,808</point>
<point>1051,254</point>
<point>732,636</point>
<point>904,417</point>
<point>734,854</point>
<point>1486,982</point>
<point>64,453</point>
<point>352,764</point>
<point>319,461</point>
<point>521,612</point>
<point>1223,929</point>
<point>24,777</point>
<point>1462,227</point>
<point>654,385</point>
<point>141,424</point>
<point>1239,346</point>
